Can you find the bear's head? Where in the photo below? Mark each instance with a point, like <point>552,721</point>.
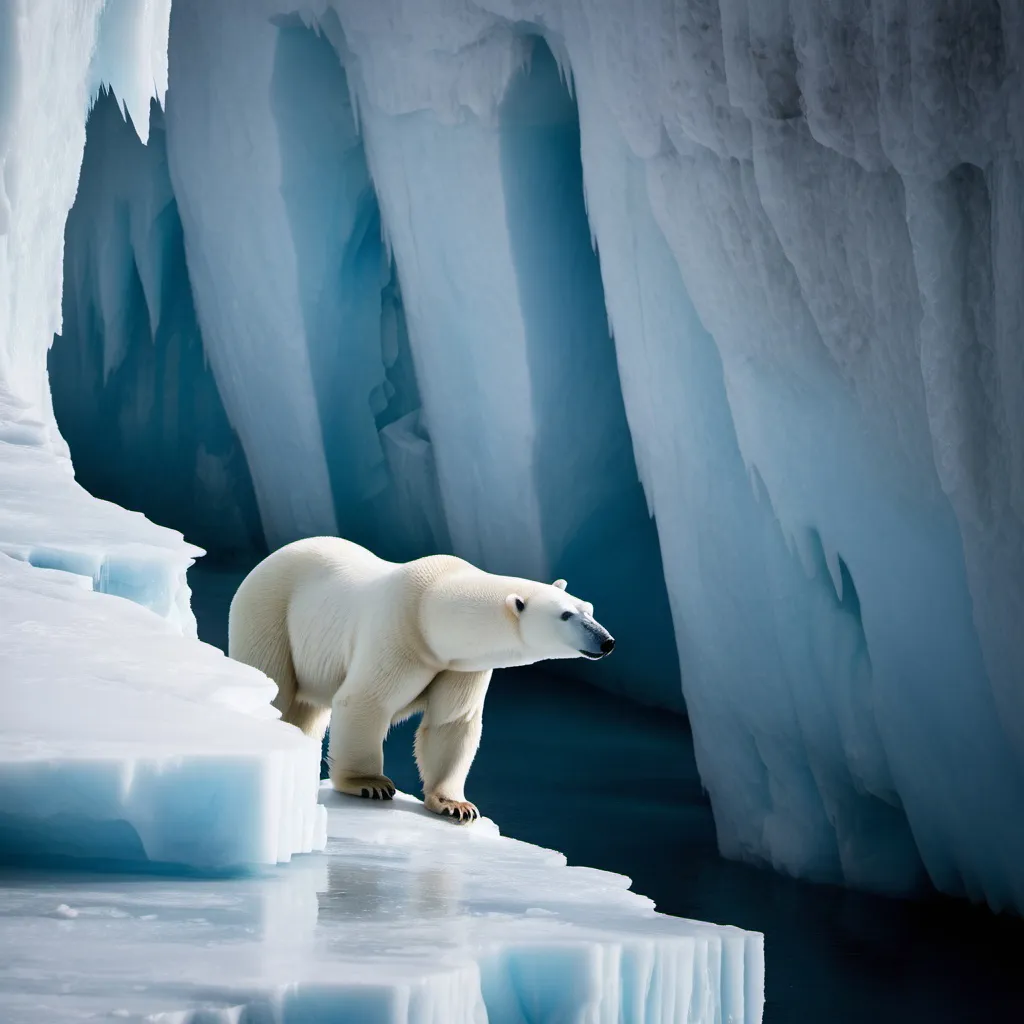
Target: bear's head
<point>554,624</point>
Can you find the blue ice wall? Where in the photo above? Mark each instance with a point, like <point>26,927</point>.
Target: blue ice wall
<point>594,522</point>
<point>301,315</point>
<point>135,389</point>
<point>808,226</point>
<point>517,371</point>
<point>132,389</point>
<point>348,295</point>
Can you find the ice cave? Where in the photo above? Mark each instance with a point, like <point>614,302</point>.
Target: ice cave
<point>714,308</point>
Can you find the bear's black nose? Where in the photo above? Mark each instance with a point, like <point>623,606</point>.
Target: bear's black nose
<point>607,646</point>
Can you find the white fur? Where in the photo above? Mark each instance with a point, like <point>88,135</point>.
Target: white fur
<point>365,643</point>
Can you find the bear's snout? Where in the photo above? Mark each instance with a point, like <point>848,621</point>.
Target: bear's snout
<point>603,643</point>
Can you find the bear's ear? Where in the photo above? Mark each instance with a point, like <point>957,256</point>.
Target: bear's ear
<point>514,603</point>
<point>559,584</point>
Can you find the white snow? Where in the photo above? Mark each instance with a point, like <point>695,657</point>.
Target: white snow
<point>48,520</point>
<point>131,56</point>
<point>124,742</point>
<point>407,920</point>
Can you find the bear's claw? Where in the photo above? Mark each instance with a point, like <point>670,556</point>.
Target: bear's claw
<point>461,812</point>
<point>369,787</point>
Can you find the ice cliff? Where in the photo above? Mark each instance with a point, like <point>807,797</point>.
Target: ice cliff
<point>799,348</point>
<point>115,717</point>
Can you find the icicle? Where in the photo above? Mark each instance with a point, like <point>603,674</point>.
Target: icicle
<point>803,539</point>
<point>353,99</point>
<point>563,63</point>
<point>833,562</point>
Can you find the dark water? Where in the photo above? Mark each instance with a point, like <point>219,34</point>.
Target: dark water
<point>614,785</point>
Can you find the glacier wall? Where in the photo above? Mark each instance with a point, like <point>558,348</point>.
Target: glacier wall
<point>805,219</point>
<point>301,361</point>
<point>129,377</point>
<point>284,325</point>
<point>90,43</point>
<point>39,162</point>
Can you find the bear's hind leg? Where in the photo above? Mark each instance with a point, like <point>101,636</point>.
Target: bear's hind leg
<point>447,741</point>
<point>262,642</point>
<point>311,719</point>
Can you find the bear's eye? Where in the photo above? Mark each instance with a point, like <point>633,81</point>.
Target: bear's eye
<point>520,604</point>
<point>566,615</point>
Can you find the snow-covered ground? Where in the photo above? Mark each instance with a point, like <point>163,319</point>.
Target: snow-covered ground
<point>124,742</point>
<point>406,920</point>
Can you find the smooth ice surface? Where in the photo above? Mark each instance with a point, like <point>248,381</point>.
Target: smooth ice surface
<point>124,742</point>
<point>406,919</point>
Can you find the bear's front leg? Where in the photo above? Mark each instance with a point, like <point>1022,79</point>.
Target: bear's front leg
<point>447,741</point>
<point>355,749</point>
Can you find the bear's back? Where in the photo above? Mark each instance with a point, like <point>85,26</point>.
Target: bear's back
<point>329,580</point>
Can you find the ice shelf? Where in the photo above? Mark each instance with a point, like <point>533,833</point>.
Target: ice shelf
<point>123,743</point>
<point>406,919</point>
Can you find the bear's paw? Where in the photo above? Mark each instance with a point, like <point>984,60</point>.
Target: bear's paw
<point>462,812</point>
<point>370,787</point>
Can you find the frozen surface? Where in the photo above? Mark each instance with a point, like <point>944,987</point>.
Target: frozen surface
<point>124,742</point>
<point>407,919</point>
<point>50,521</point>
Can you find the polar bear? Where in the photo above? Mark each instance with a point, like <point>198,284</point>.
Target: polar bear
<point>365,643</point>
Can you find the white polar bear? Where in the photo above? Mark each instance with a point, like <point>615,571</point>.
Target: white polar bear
<point>365,643</point>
